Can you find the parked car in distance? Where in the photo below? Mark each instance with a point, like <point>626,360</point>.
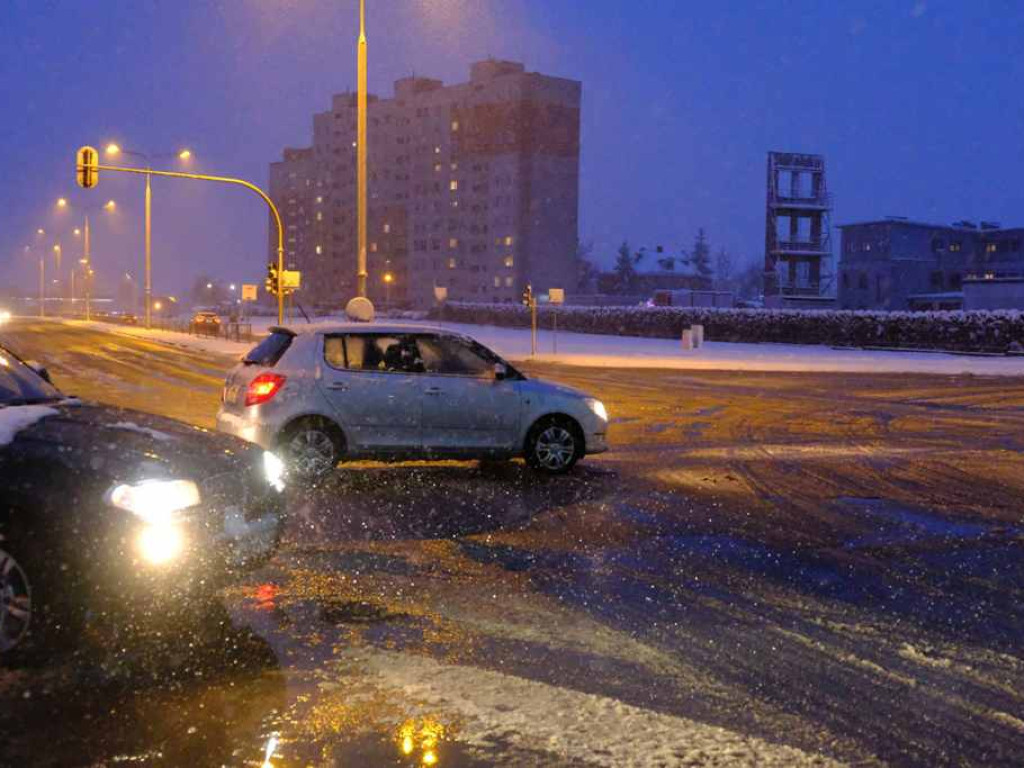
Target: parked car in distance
<point>320,394</point>
<point>117,519</point>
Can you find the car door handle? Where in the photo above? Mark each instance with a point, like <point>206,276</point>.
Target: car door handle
<point>338,386</point>
<point>433,391</point>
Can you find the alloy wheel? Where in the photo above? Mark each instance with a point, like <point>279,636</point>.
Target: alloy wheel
<point>555,448</point>
<point>15,602</point>
<point>312,452</point>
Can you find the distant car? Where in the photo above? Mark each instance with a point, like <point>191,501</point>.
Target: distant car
<point>370,390</point>
<point>129,319</point>
<point>205,321</point>
<point>111,518</point>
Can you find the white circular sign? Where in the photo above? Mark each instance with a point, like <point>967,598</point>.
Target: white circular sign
<point>360,310</point>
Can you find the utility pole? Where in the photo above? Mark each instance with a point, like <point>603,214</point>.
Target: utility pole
<point>149,252</point>
<point>88,270</point>
<point>361,152</point>
<point>42,284</point>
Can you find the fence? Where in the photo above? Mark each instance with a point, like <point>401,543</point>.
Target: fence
<point>232,331</point>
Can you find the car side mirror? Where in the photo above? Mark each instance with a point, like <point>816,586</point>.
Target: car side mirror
<point>500,371</point>
<point>40,370</point>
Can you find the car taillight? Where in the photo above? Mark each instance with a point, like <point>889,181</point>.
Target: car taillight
<point>263,387</point>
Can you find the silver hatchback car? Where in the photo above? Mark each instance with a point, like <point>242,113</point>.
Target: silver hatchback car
<point>319,394</point>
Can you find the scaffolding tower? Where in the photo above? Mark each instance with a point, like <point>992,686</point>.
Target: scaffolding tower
<point>798,243</point>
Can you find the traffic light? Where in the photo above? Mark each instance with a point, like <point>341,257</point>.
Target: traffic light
<point>86,172</point>
<point>273,281</point>
<point>528,295</point>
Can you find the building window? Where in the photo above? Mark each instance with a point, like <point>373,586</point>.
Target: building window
<point>319,250</point>
<point>508,240</point>
<point>453,185</point>
<point>862,281</point>
<point>373,247</point>
<point>990,248</point>
<point>319,216</point>
<point>455,126</point>
<point>497,282</point>
<point>937,281</point>
<point>454,166</point>
<point>437,167</point>
<point>954,246</point>
<point>846,280</point>
<point>387,228</point>
<point>453,242</point>
<point>508,282</point>
<point>319,199</point>
<point>437,150</point>
<point>956,282</point>
<point>452,263</point>
<point>879,292</point>
<point>938,244</point>
<point>866,246</point>
<point>510,262</point>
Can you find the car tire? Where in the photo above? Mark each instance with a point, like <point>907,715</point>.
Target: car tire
<point>36,617</point>
<point>312,447</point>
<point>554,445</point>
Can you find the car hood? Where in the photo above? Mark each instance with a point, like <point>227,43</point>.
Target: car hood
<point>540,387</point>
<point>133,445</point>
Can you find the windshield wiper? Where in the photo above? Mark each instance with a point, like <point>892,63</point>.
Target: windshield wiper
<point>31,400</point>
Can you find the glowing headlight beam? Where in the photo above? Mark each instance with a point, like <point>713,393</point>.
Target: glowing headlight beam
<point>156,501</point>
<point>273,468</point>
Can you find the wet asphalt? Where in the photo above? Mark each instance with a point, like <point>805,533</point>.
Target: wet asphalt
<point>767,569</point>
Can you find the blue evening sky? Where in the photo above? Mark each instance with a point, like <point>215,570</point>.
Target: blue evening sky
<point>918,106</point>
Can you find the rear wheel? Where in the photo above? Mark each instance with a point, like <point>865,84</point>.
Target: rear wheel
<point>554,445</point>
<point>312,447</point>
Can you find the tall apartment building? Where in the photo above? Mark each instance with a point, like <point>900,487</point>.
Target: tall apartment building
<point>473,190</point>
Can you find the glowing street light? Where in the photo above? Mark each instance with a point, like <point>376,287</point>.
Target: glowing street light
<point>40,231</point>
<point>62,202</point>
<point>110,205</point>
<point>113,150</point>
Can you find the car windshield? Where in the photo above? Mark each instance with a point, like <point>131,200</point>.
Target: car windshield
<point>20,385</point>
<point>459,383</point>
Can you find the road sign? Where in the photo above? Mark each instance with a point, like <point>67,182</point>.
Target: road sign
<point>291,278</point>
<point>249,292</point>
<point>556,295</point>
<point>86,172</point>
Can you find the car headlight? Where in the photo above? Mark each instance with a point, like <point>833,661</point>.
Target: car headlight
<point>598,408</point>
<point>157,502</point>
<point>273,468</point>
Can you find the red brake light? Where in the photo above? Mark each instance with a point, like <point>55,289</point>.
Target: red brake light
<point>263,387</point>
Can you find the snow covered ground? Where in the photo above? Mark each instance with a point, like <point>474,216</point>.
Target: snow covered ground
<point>633,352</point>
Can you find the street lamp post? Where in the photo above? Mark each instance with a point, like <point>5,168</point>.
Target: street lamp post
<point>388,277</point>
<point>361,152</point>
<point>87,270</point>
<point>184,154</point>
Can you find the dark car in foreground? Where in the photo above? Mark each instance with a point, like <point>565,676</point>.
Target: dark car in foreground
<point>111,520</point>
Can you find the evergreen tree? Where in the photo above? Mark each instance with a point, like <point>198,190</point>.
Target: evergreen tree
<point>701,256</point>
<point>624,268</point>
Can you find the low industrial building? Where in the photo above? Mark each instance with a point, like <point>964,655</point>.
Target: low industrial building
<point>898,264</point>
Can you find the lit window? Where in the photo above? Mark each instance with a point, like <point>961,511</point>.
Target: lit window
<point>508,240</point>
<point>319,199</point>
<point>437,150</point>
<point>452,263</point>
<point>387,228</point>
<point>319,250</point>
<point>509,262</point>
<point>453,242</point>
<point>453,185</point>
<point>508,282</point>
<point>319,216</point>
<point>455,125</point>
<point>455,166</point>
<point>437,167</point>
<point>991,247</point>
<point>455,203</point>
<point>373,247</point>
<point>497,282</point>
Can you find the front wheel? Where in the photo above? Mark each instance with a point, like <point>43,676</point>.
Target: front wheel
<point>554,445</point>
<point>312,448</point>
<point>15,604</point>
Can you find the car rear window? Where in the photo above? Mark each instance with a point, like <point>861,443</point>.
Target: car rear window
<point>269,351</point>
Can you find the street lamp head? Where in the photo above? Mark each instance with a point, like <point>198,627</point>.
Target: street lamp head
<point>40,231</point>
<point>185,154</point>
<point>62,202</point>
<point>388,277</point>
<point>110,205</point>
<point>113,149</point>
<point>209,285</point>
<point>83,261</point>
<point>157,306</point>
<point>77,231</point>
<point>56,248</point>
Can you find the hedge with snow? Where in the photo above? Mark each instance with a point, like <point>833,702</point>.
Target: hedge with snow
<point>979,331</point>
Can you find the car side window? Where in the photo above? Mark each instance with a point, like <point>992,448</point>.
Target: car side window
<point>453,357</point>
<point>370,352</point>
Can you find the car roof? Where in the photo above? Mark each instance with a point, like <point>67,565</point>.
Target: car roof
<point>373,327</point>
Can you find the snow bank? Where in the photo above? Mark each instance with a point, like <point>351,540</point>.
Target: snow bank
<point>14,418</point>
<point>173,338</point>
